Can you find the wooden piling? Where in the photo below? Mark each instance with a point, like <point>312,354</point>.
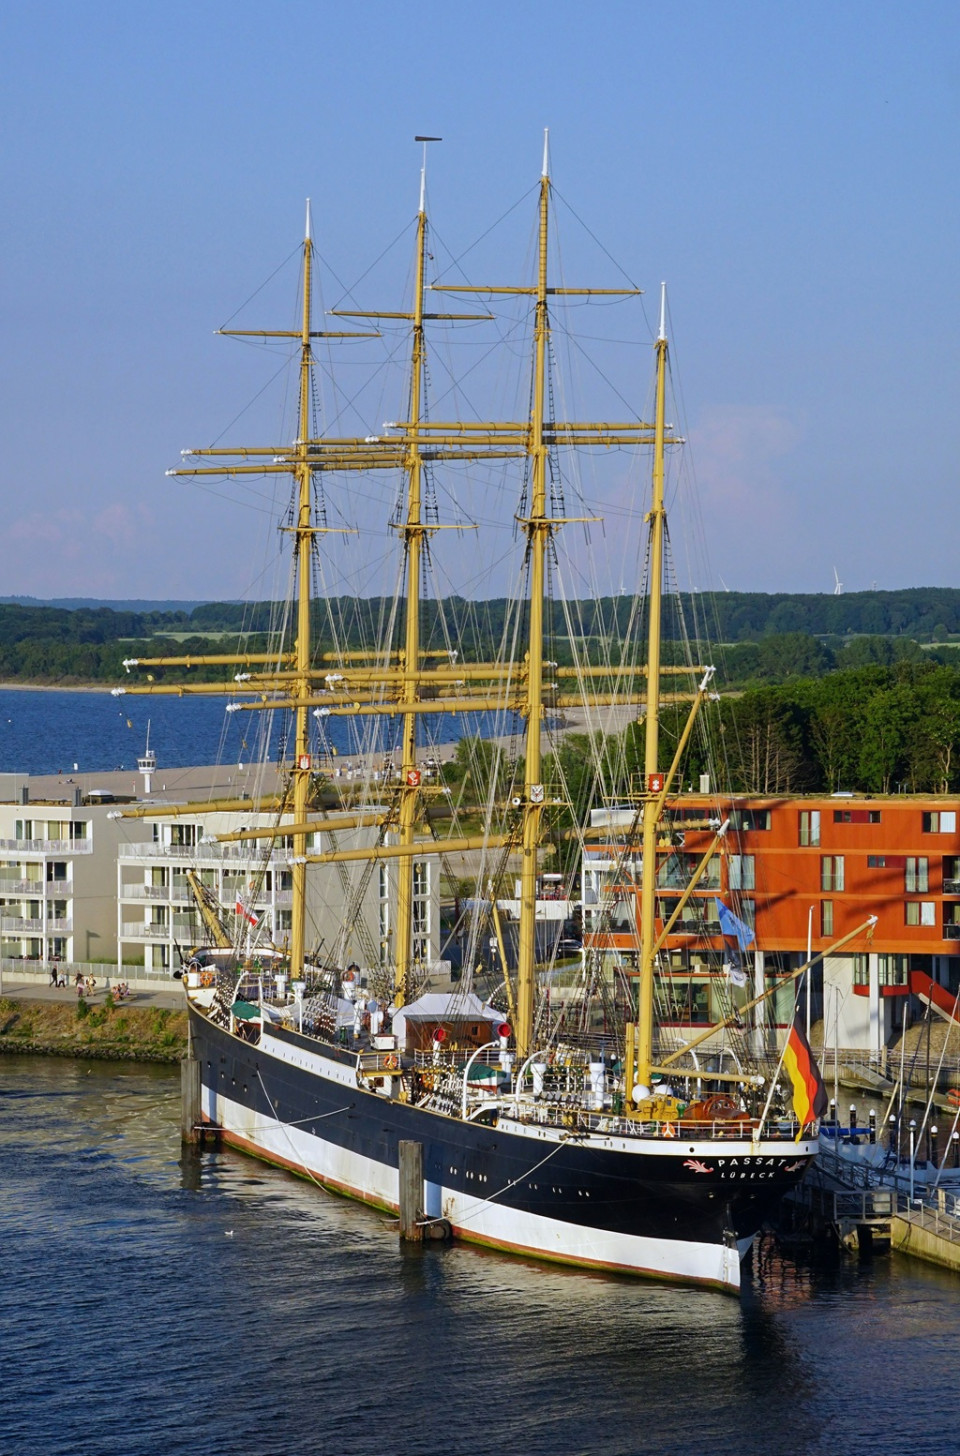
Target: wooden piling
<point>190,1100</point>
<point>411,1191</point>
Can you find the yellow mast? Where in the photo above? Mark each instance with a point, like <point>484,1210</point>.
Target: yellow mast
<point>538,532</point>
<point>413,533</point>
<point>304,532</point>
<point>654,801</point>
<point>398,684</point>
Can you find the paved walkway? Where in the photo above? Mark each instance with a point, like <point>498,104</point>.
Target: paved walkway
<point>24,991</point>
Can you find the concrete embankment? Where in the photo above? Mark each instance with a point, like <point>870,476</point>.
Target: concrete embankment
<point>103,1031</point>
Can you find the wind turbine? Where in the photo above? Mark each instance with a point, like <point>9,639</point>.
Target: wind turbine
<point>838,584</point>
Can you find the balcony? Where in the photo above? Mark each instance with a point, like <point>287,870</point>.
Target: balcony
<point>33,889</point>
<point>185,925</point>
<point>951,887</point>
<point>47,846</point>
<point>197,853</point>
<point>21,925</point>
<point>693,925</point>
<point>144,892</point>
<point>139,931</point>
<point>951,932</point>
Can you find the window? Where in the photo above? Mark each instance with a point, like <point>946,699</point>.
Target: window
<point>79,829</point>
<point>809,826</point>
<point>56,870</point>
<point>831,872</point>
<point>917,875</point>
<point>940,821</point>
<point>750,819</point>
<point>920,912</point>
<point>856,816</point>
<point>876,861</point>
<point>826,917</point>
<point>891,970</point>
<point>742,872</point>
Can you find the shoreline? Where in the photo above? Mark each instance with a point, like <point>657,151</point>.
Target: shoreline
<point>100,1032</point>
<point>28,687</point>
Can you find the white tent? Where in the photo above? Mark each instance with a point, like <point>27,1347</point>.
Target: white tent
<point>446,1006</point>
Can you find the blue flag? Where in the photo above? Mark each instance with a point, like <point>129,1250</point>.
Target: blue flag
<point>731,925</point>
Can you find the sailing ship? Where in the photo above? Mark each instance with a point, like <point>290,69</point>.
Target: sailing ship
<point>630,1155</point>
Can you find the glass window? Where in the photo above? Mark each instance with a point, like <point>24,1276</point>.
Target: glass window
<point>809,826</point>
<point>920,912</point>
<point>917,875</point>
<point>940,821</point>
<point>831,872</point>
<point>876,861</point>
<point>826,917</point>
<point>750,819</point>
<point>891,970</point>
<point>742,872</point>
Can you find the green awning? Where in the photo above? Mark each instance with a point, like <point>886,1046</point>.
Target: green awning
<point>245,1011</point>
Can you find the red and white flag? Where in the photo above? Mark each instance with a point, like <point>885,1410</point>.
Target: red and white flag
<point>248,915</point>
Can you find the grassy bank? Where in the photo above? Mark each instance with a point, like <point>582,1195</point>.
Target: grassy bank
<point>105,1032</point>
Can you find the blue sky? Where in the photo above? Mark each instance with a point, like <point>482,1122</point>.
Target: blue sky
<point>789,169</point>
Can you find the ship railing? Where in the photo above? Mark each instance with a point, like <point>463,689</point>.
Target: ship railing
<point>489,1057</point>
<point>372,1064</point>
<point>569,1113</point>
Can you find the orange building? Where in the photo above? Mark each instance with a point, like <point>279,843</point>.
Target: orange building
<point>793,868</point>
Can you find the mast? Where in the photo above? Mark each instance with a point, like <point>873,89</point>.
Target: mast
<point>404,683</point>
<point>538,532</point>
<point>651,817</point>
<point>413,534</point>
<point>304,546</point>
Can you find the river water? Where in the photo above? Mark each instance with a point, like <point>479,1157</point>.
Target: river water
<point>43,731</point>
<point>151,1306</point>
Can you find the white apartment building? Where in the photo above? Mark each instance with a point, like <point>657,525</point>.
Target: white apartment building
<point>350,907</point>
<point>57,875</point>
<point>80,883</point>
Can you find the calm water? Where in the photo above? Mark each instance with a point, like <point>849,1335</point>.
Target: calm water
<point>50,732</point>
<point>149,1309</point>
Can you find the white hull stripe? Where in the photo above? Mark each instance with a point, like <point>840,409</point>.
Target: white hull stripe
<point>473,1219</point>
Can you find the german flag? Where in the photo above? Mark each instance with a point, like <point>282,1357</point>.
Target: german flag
<point>809,1093</point>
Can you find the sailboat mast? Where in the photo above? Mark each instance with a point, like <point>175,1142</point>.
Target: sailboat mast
<point>413,533</point>
<point>304,533</point>
<point>538,533</point>
<point>648,891</point>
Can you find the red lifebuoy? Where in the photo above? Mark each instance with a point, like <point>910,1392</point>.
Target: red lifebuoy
<point>667,1129</point>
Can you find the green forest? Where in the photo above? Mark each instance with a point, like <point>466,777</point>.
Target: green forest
<point>761,637</point>
<point>819,693</point>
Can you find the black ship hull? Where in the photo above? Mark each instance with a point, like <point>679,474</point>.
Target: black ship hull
<point>683,1209</point>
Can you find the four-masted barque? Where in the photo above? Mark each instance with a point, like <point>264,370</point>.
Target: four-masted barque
<point>533,1144</point>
